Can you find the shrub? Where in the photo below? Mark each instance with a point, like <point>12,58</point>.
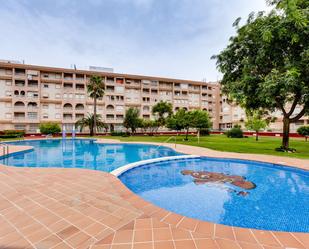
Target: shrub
<point>303,131</point>
<point>235,132</point>
<point>204,132</point>
<point>117,133</point>
<point>11,133</point>
<point>50,128</point>
<point>120,134</point>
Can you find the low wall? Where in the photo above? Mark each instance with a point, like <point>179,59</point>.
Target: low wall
<point>169,133</point>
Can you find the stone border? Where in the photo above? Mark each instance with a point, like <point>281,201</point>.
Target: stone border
<point>119,171</point>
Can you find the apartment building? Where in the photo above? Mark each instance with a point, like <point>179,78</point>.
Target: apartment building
<point>30,95</point>
<point>232,114</point>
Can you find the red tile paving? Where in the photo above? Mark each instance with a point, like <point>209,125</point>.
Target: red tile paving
<point>76,208</point>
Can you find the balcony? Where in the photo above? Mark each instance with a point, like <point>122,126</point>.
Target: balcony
<point>80,87</point>
<point>33,84</point>
<point>20,116</point>
<point>68,117</point>
<point>68,77</point>
<point>20,73</point>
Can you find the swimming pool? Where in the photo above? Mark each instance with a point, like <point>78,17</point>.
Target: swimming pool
<point>83,153</point>
<point>227,191</point>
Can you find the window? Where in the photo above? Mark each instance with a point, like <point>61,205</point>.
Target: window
<point>8,115</point>
<point>45,116</point>
<point>8,93</point>
<point>57,96</point>
<point>119,89</point>
<point>32,115</point>
<point>58,116</point>
<point>45,106</point>
<point>45,86</point>
<point>57,86</point>
<point>8,83</point>
<point>119,107</point>
<point>33,128</point>
<point>19,127</point>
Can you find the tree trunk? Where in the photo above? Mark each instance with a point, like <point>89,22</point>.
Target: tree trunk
<point>286,133</point>
<point>94,116</point>
<point>187,134</point>
<point>257,136</point>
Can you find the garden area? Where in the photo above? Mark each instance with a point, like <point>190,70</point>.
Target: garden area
<point>265,145</point>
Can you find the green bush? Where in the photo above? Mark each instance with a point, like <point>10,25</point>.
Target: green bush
<point>303,131</point>
<point>235,132</point>
<point>117,133</point>
<point>11,133</point>
<point>204,132</point>
<point>50,128</point>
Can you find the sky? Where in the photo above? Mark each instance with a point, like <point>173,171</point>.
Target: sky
<point>167,38</point>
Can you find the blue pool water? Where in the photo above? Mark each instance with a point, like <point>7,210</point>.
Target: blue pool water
<point>83,153</point>
<point>277,198</point>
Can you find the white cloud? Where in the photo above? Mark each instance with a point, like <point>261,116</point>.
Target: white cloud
<point>174,39</point>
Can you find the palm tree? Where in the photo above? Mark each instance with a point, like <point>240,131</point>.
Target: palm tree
<point>95,89</point>
<point>89,121</point>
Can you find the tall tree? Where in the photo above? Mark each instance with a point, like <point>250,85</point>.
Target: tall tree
<point>95,89</point>
<point>132,120</point>
<point>162,111</point>
<point>265,65</point>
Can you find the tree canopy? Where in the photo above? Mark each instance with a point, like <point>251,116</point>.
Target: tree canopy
<point>178,121</point>
<point>88,121</point>
<point>265,65</point>
<point>50,128</point>
<point>132,120</point>
<point>162,111</point>
<point>303,131</point>
<point>256,122</point>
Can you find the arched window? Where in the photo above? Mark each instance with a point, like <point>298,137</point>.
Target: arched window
<point>68,106</point>
<point>79,107</point>
<point>19,104</point>
<point>110,107</point>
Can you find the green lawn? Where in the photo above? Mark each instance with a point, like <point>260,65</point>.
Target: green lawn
<point>266,145</point>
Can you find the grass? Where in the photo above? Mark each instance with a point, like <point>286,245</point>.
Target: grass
<point>266,145</point>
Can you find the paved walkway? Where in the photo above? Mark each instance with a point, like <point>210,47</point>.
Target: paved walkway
<point>76,208</point>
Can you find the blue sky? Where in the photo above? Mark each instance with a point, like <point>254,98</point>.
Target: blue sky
<point>171,38</point>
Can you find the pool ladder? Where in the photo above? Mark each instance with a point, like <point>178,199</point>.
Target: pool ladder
<point>5,149</point>
<point>167,140</point>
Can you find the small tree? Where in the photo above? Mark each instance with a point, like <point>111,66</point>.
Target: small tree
<point>178,121</point>
<point>132,120</point>
<point>50,128</point>
<point>89,122</point>
<point>256,123</point>
<point>304,131</point>
<point>148,125</point>
<point>199,120</point>
<point>162,111</point>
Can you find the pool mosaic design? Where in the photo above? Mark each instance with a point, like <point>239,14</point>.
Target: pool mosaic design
<point>227,191</point>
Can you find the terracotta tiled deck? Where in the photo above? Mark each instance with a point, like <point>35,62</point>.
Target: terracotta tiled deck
<point>76,208</point>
